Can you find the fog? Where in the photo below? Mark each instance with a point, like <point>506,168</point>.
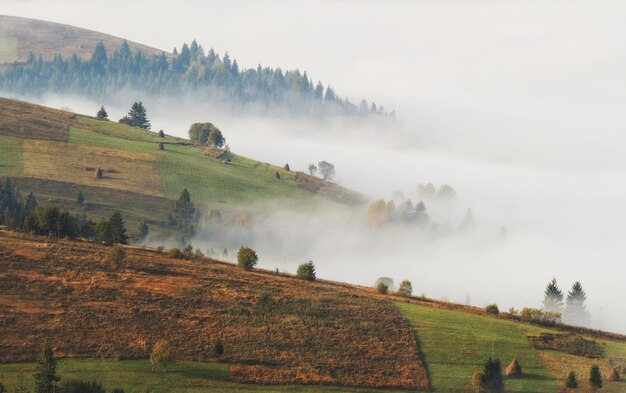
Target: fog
<point>518,105</point>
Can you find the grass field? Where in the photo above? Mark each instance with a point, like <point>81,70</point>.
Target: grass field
<point>11,156</point>
<point>136,376</point>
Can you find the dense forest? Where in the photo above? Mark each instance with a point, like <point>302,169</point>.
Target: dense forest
<point>189,71</point>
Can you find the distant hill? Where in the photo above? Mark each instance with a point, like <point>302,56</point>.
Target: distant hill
<point>20,36</point>
<point>55,154</point>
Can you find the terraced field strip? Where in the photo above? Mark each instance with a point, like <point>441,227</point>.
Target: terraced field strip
<point>11,157</point>
<point>456,344</point>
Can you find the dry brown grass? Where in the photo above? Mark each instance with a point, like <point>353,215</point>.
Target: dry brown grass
<point>24,120</point>
<point>275,328</point>
<point>131,171</point>
<point>48,38</point>
<point>328,189</point>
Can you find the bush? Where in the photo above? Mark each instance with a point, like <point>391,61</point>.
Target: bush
<point>306,271</point>
<point>492,309</point>
<point>382,288</point>
<point>568,343</point>
<point>175,253</point>
<point>595,378</point>
<point>116,257</point>
<point>247,258</point>
<point>541,317</point>
<point>218,348</point>
<point>160,248</point>
<point>571,382</point>
<point>162,356</point>
<point>78,386</point>
<point>405,288</point>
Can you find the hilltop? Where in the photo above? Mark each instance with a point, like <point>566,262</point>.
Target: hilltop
<point>54,154</point>
<point>21,36</point>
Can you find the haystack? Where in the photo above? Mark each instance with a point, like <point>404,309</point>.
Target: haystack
<point>161,134</point>
<point>98,173</point>
<point>513,370</point>
<point>286,167</point>
<point>613,375</point>
<point>161,146</point>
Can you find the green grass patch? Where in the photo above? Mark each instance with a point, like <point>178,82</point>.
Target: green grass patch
<point>122,131</point>
<point>136,376</point>
<point>11,156</point>
<point>8,50</point>
<point>92,138</point>
<point>456,344</point>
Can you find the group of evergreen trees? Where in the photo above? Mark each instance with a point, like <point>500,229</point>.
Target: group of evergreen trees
<point>189,71</point>
<point>574,309</point>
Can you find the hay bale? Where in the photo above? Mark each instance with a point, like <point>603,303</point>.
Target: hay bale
<point>613,375</point>
<point>161,134</point>
<point>514,369</point>
<point>277,175</point>
<point>98,174</point>
<point>161,146</point>
<point>286,167</point>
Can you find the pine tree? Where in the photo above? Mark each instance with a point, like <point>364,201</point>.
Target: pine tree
<point>306,271</point>
<point>143,231</point>
<point>102,114</point>
<point>492,380</point>
<point>118,229</point>
<point>184,212</point>
<point>45,378</point>
<point>595,378</point>
<point>99,59</point>
<point>575,309</point>
<point>138,116</point>
<point>571,381</point>
<point>553,297</point>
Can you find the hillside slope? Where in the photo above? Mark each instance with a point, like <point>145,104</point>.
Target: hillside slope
<point>275,328</point>
<point>55,154</point>
<point>20,36</point>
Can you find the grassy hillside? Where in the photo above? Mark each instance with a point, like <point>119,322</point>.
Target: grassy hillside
<point>275,328</point>
<point>55,153</point>
<point>20,36</point>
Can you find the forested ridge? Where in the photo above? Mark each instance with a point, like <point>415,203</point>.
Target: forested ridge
<point>190,70</point>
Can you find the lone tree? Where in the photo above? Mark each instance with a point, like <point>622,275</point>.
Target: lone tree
<point>553,297</point>
<point>46,380</point>
<point>161,134</point>
<point>206,134</point>
<point>312,169</point>
<point>382,288</point>
<point>102,114</point>
<point>595,378</point>
<point>491,378</point>
<point>571,382</point>
<point>247,258</point>
<point>306,271</point>
<point>575,309</point>
<point>405,288</point>
<point>118,228</point>
<point>184,213</point>
<point>137,116</point>
<point>327,170</point>
<point>163,355</point>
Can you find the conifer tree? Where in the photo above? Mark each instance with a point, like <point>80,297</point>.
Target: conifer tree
<point>595,378</point>
<point>118,229</point>
<point>184,212</point>
<point>553,297</point>
<point>102,114</point>
<point>138,116</point>
<point>143,231</point>
<point>46,380</point>
<point>575,309</point>
<point>571,382</point>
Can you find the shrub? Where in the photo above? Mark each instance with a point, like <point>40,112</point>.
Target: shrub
<point>176,253</point>
<point>382,288</point>
<point>161,134</point>
<point>78,386</point>
<point>162,356</point>
<point>405,288</point>
<point>160,248</point>
<point>541,317</point>
<point>492,309</point>
<point>306,271</point>
<point>595,378</point>
<point>514,312</point>
<point>218,348</point>
<point>116,257</point>
<point>188,251</point>
<point>198,253</point>
<point>388,281</point>
<point>161,146</point>
<point>571,382</point>
<point>247,258</point>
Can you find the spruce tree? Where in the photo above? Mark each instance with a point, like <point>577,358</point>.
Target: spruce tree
<point>138,116</point>
<point>595,378</point>
<point>118,229</point>
<point>184,212</point>
<point>553,297</point>
<point>143,231</point>
<point>575,309</point>
<point>571,381</point>
<point>102,114</point>
<point>45,378</point>
<point>492,380</point>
